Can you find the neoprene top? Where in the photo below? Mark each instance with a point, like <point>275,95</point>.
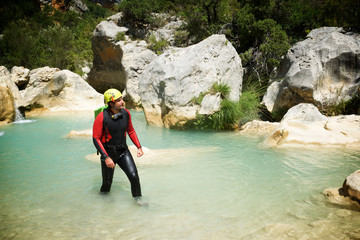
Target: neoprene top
<point>114,132</point>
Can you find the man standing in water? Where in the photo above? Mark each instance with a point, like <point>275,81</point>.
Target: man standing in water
<point>109,137</point>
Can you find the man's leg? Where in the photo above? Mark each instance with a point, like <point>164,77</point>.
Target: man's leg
<point>107,176</point>
<point>127,164</point>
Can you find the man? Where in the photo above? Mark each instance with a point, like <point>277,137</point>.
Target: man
<point>109,137</point>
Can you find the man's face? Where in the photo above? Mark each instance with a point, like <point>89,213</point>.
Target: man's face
<point>119,103</point>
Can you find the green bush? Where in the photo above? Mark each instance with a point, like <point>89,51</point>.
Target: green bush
<point>231,113</point>
<point>137,11</point>
<point>158,46</point>
<point>223,89</point>
<point>50,38</point>
<point>120,37</point>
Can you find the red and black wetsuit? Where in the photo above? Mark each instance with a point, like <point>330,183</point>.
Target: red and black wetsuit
<point>109,137</point>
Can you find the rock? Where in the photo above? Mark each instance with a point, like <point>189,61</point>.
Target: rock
<point>323,70</point>
<point>4,76</point>
<point>78,6</point>
<point>136,58</point>
<point>257,127</point>
<point>107,70</point>
<point>351,186</point>
<point>336,196</point>
<point>170,82</point>
<point>7,109</point>
<point>79,134</point>
<point>20,76</point>
<point>8,80</point>
<point>38,79</point>
<point>58,90</point>
<point>167,32</point>
<point>305,125</point>
<point>210,104</point>
<point>159,156</point>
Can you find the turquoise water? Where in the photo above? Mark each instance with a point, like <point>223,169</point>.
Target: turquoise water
<point>201,185</point>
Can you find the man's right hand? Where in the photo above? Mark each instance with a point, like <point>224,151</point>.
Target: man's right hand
<point>109,163</point>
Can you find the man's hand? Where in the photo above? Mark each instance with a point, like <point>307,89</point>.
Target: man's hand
<point>109,162</point>
<point>140,152</point>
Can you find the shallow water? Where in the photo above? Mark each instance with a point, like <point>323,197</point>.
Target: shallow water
<point>215,186</point>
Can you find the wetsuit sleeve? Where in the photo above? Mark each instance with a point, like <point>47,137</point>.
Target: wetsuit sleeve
<point>131,132</point>
<point>97,135</point>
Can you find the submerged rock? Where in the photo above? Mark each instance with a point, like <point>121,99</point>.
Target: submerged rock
<point>159,156</point>
<point>79,134</point>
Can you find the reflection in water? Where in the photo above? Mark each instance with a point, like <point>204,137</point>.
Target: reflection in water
<point>200,185</point>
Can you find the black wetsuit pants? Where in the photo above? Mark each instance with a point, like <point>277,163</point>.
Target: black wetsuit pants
<point>127,164</point>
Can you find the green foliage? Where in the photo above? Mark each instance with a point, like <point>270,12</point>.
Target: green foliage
<point>50,38</point>
<point>20,45</point>
<point>120,37</point>
<point>137,11</point>
<point>274,42</point>
<point>157,46</point>
<point>223,89</point>
<point>231,113</point>
<point>55,41</point>
<point>351,106</point>
<point>181,37</point>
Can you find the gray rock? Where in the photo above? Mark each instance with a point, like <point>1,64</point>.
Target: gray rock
<point>60,91</point>
<point>20,76</point>
<point>171,81</point>
<point>323,70</point>
<point>351,186</point>
<point>136,58</point>
<point>210,104</point>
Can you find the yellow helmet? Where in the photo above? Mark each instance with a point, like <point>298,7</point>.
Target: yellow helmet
<point>111,95</point>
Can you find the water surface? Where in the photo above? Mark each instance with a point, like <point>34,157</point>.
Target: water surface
<point>210,185</point>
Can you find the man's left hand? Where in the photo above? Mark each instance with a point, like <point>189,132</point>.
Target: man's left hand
<point>140,152</point>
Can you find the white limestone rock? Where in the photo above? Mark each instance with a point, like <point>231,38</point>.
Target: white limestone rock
<point>305,125</point>
<point>323,70</point>
<point>171,81</point>
<point>60,91</point>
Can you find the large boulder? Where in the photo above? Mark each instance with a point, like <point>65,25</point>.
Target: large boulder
<point>7,109</point>
<point>170,83</point>
<point>58,90</point>
<point>323,70</point>
<point>107,70</point>
<point>303,125</point>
